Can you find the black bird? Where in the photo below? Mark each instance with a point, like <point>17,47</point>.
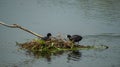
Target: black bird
<point>74,38</point>
<point>47,37</point>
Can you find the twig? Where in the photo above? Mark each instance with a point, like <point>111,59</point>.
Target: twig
<point>22,28</point>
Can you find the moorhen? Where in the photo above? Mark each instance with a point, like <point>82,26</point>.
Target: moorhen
<point>47,37</point>
<point>74,38</point>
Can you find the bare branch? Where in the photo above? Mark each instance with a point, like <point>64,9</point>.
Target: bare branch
<point>22,28</point>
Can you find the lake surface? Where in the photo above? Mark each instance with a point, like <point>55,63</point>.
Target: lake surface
<point>98,21</point>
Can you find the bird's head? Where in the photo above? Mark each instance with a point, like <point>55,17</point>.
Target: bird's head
<point>69,36</point>
<point>49,34</point>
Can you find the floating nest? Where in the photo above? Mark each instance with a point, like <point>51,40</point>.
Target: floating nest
<point>56,44</point>
<point>41,48</point>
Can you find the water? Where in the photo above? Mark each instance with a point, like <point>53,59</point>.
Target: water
<point>98,21</point>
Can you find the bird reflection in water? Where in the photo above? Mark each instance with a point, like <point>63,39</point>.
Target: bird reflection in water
<point>74,56</point>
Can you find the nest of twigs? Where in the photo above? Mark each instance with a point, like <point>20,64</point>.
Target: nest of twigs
<point>59,44</point>
<point>40,47</point>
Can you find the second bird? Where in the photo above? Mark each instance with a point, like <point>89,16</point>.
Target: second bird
<point>74,38</point>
